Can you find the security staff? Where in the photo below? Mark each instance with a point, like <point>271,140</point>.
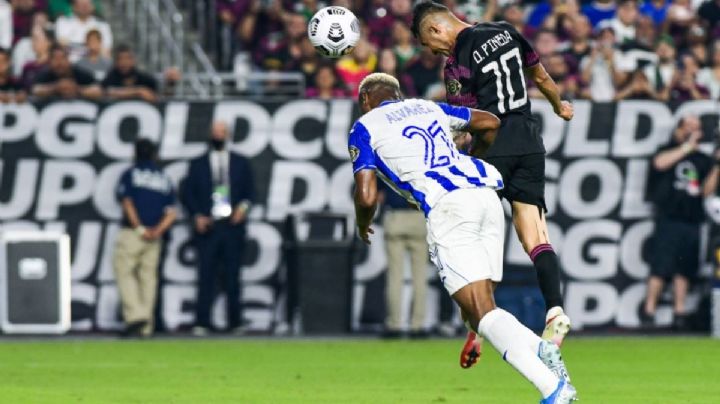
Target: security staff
<point>148,201</point>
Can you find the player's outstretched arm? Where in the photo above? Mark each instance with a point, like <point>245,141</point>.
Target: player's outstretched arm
<point>485,126</point>
<point>365,202</point>
<point>547,86</point>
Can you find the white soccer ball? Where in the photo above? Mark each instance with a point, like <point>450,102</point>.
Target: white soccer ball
<point>334,31</point>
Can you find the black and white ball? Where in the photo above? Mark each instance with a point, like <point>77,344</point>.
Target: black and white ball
<point>334,31</point>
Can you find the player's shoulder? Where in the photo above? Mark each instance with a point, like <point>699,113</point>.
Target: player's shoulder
<point>491,28</point>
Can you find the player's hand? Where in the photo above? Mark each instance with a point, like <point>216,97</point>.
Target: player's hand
<point>238,216</point>
<point>566,111</point>
<point>364,232</point>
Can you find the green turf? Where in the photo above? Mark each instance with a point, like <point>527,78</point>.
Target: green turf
<point>612,370</point>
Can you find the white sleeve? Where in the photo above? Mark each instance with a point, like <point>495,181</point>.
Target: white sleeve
<point>6,26</point>
<point>106,33</point>
<point>62,29</point>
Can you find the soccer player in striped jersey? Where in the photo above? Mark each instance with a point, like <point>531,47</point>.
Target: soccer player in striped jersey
<point>407,143</point>
<point>486,68</point>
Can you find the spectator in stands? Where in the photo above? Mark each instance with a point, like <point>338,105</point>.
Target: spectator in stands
<point>557,68</point>
<point>599,71</point>
<point>38,60</point>
<point>637,87</point>
<point>388,63</point>
<point>6,25</point>
<point>405,235</point>
<point>325,85</point>
<point>126,81</point>
<point>72,31</point>
<point>10,89</point>
<point>679,17</point>
<point>62,79</point>
<point>307,8</point>
<point>684,87</point>
<point>262,30</point>
<point>696,41</point>
<point>425,73</point>
<point>23,52</point>
<point>660,75</point>
<point>560,19</point>
<point>295,33</point>
<point>599,10</point>
<point>354,67</point>
<point>23,13</point>
<point>709,13</point>
<point>542,11</point>
<point>580,45</point>
<point>307,61</point>
<point>58,8</point>
<point>404,47</point>
<point>148,204</point>
<point>623,24</point>
<point>94,60</point>
<point>684,176</point>
<point>546,43</point>
<point>656,10</point>
<point>217,193</point>
<point>640,51</point>
<point>380,20</point>
<point>513,14</point>
<point>709,77</point>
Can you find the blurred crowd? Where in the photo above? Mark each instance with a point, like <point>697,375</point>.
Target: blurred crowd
<point>63,49</point>
<point>602,50</point>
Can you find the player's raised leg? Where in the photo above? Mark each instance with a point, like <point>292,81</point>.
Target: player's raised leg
<point>517,344</point>
<point>530,225</point>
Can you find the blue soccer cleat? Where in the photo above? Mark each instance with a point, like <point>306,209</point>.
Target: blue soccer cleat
<point>565,393</point>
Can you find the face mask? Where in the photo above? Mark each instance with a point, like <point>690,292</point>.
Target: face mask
<point>217,144</point>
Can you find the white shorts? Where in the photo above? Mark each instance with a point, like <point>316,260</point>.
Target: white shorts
<point>466,230</point>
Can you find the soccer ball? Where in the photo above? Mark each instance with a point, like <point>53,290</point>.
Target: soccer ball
<point>334,31</point>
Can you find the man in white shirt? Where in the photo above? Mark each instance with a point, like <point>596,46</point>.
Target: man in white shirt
<point>6,25</point>
<point>72,31</point>
<point>624,22</point>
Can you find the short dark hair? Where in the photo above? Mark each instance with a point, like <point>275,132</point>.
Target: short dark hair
<point>5,52</point>
<point>55,47</point>
<point>122,48</point>
<point>422,10</point>
<point>144,150</point>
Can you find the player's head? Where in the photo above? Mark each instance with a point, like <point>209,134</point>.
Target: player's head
<point>376,88</point>
<point>435,26</point>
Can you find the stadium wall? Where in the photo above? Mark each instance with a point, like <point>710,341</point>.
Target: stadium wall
<point>61,161</point>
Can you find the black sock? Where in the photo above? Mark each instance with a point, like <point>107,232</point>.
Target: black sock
<point>548,273</point>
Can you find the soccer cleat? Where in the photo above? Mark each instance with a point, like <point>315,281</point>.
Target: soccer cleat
<point>557,325</point>
<point>549,354</point>
<point>471,350</point>
<point>565,393</point>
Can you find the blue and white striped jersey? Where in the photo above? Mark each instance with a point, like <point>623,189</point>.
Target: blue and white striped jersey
<point>408,142</point>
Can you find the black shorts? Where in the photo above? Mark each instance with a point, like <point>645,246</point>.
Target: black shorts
<point>676,249</point>
<point>524,178</point>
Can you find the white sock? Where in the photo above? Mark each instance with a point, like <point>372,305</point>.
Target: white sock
<point>514,341</point>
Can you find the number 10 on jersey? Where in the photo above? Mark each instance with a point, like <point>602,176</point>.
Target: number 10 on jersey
<point>503,80</point>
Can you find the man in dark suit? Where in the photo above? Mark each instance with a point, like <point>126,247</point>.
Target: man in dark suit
<point>217,193</point>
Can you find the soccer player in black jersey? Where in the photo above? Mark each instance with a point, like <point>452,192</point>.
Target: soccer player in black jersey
<point>486,68</point>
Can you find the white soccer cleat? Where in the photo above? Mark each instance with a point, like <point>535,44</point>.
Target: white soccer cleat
<point>564,394</point>
<point>549,354</point>
<point>557,325</point>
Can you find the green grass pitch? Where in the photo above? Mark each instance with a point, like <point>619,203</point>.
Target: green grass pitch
<point>605,370</point>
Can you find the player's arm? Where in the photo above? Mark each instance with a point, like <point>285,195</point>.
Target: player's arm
<point>482,124</point>
<point>365,198</point>
<point>366,194</point>
<point>549,89</point>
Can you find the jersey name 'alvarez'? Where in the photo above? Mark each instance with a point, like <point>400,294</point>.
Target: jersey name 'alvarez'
<point>406,111</point>
<point>492,45</point>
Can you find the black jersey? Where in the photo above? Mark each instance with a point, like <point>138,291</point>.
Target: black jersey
<point>485,72</point>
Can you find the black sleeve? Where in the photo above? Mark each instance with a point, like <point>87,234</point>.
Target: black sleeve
<point>83,78</point>
<point>530,57</point>
<point>111,80</point>
<point>147,80</point>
